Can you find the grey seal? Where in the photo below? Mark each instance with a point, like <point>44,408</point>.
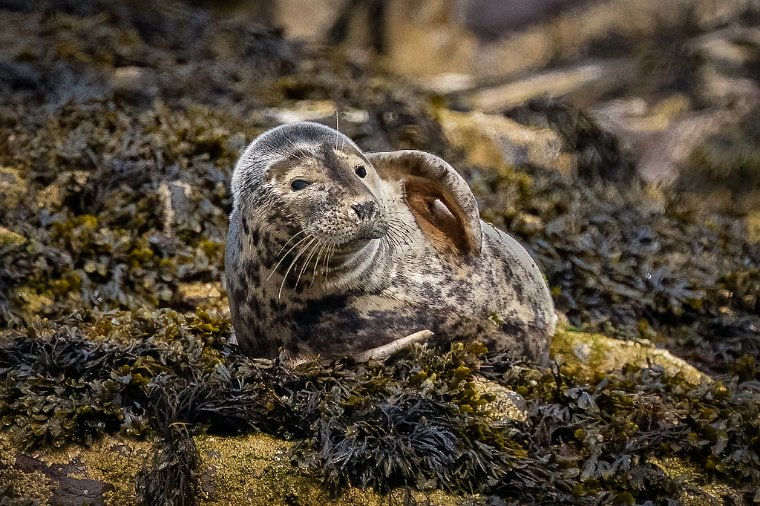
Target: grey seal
<point>335,252</point>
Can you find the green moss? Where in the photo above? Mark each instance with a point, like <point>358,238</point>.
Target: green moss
<point>10,239</point>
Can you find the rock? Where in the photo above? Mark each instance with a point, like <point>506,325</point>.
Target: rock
<point>12,187</point>
<point>203,294</point>
<point>309,21</point>
<point>253,469</point>
<point>583,84</point>
<point>326,112</point>
<point>427,38</point>
<point>697,487</point>
<point>103,472</point>
<point>494,18</point>
<point>135,83</point>
<point>728,60</point>
<point>33,302</point>
<point>491,140</point>
<point>10,239</point>
<point>753,226</point>
<point>52,195</point>
<point>582,355</point>
<point>526,224</point>
<point>663,137</point>
<point>636,123</point>
<point>506,404</point>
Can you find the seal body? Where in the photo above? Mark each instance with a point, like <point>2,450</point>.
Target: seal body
<point>334,252</point>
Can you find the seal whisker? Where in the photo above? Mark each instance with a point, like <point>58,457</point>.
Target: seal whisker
<point>300,252</point>
<point>291,238</point>
<point>337,129</point>
<point>298,151</point>
<point>313,245</point>
<point>325,260</point>
<point>322,248</point>
<point>406,231</point>
<point>328,259</point>
<point>274,269</point>
<point>391,239</point>
<point>400,235</point>
<point>399,227</point>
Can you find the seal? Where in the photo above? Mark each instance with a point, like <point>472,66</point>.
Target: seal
<point>335,252</point>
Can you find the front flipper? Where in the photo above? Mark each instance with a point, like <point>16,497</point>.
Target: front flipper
<point>385,351</point>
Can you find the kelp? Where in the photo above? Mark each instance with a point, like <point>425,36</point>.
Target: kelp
<point>416,421</point>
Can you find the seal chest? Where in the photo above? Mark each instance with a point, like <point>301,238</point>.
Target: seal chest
<point>336,252</point>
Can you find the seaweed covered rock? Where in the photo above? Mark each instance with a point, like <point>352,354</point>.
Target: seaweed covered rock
<point>422,421</point>
<point>634,261</point>
<point>116,375</point>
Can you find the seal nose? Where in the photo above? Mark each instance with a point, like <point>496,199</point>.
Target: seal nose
<point>364,210</point>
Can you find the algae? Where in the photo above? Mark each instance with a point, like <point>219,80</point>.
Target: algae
<point>120,193</point>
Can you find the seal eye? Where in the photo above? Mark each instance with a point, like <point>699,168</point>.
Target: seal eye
<point>360,171</point>
<point>299,184</point>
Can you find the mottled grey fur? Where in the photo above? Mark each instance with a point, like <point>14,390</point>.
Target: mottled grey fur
<point>349,264</point>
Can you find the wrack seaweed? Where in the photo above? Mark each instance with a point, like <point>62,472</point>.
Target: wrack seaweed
<point>417,421</point>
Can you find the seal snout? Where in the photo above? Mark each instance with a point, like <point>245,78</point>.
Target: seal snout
<point>365,210</point>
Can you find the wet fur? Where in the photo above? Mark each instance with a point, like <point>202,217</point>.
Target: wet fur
<point>423,260</point>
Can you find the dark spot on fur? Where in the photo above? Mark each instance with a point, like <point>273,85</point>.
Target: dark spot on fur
<point>275,305</point>
<point>315,311</point>
<point>257,309</point>
<point>255,237</point>
<point>252,269</point>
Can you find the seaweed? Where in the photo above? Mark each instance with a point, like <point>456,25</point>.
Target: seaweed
<point>621,262</point>
<point>114,185</point>
<point>416,421</point>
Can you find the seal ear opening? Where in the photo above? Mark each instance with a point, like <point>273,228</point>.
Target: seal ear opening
<point>439,199</point>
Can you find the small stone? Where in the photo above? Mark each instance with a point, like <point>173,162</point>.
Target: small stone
<point>135,82</point>
<point>506,404</point>
<point>527,224</point>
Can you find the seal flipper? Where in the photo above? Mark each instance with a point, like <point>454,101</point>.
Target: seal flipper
<point>440,200</point>
<point>387,350</point>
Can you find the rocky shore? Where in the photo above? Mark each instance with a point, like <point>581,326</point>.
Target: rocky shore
<point>626,157</point>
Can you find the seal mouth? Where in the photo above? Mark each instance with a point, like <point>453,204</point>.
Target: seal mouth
<point>361,238</point>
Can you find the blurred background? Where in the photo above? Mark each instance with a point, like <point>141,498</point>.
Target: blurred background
<point>676,80</point>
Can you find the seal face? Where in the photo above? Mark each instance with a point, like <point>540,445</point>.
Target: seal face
<point>334,252</point>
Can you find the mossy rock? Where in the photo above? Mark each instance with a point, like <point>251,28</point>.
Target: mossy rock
<point>13,187</point>
<point>584,355</point>
<point>10,240</point>
<point>253,469</point>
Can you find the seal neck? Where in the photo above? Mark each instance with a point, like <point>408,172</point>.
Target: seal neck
<point>361,268</point>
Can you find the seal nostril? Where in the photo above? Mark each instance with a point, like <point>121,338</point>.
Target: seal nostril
<point>365,210</point>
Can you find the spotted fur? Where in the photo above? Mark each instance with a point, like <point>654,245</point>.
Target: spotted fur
<point>335,252</point>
